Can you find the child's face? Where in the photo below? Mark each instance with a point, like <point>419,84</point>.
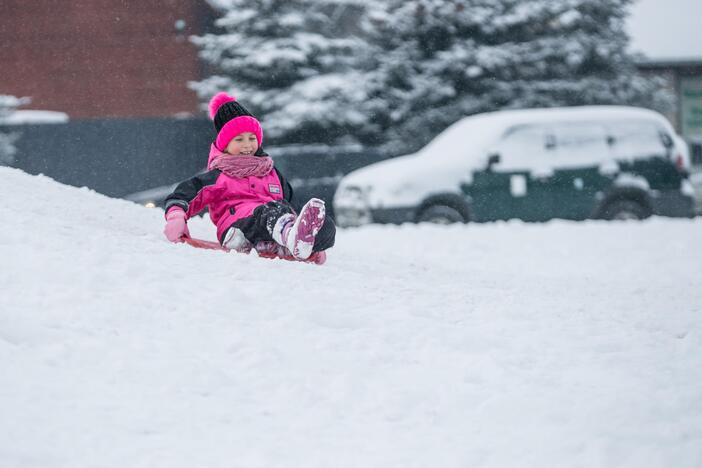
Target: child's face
<point>244,144</point>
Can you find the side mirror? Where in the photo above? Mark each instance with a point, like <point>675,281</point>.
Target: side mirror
<point>493,159</point>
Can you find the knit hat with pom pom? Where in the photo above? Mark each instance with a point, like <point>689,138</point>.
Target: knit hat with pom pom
<point>231,119</point>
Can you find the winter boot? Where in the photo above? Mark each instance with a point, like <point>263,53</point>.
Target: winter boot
<point>298,233</point>
<point>235,240</point>
<point>270,249</point>
<point>318,257</point>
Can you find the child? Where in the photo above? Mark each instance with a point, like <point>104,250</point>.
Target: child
<point>249,201</point>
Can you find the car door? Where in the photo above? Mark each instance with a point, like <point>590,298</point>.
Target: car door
<point>645,149</point>
<point>581,159</point>
<point>512,186</point>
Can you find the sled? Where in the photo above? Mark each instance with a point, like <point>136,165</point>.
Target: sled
<point>204,244</point>
<point>318,258</point>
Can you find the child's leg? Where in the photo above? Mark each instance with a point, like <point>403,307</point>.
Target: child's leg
<point>311,231</point>
<point>326,236</point>
<point>258,226</point>
<point>298,233</point>
<point>322,241</point>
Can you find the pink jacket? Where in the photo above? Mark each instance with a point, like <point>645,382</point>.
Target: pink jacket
<point>229,199</point>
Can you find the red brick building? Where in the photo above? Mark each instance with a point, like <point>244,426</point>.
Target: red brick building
<point>102,58</point>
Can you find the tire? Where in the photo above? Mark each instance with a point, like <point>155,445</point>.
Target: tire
<point>440,214</point>
<point>625,210</point>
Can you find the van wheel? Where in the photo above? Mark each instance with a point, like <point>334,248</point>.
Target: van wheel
<point>440,214</point>
<point>624,209</point>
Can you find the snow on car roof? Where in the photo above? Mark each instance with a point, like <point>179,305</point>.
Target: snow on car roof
<point>482,129</point>
<point>558,114</point>
<point>573,112</point>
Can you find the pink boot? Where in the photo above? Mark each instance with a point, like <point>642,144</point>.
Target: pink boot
<point>298,234</point>
<point>318,258</point>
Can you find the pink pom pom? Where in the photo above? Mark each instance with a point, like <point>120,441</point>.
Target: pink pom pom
<point>217,101</point>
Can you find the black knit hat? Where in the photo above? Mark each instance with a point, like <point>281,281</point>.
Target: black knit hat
<point>228,111</point>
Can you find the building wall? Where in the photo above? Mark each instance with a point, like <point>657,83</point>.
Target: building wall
<point>673,74</point>
<point>684,79</point>
<point>114,156</point>
<point>101,58</point>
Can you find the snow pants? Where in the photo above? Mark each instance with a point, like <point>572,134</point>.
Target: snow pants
<point>259,226</point>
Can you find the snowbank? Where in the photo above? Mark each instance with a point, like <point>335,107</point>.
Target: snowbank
<point>22,117</point>
<point>500,345</point>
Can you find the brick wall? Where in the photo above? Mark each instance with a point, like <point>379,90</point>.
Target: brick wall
<point>101,58</point>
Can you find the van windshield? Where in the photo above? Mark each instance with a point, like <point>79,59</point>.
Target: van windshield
<point>468,139</point>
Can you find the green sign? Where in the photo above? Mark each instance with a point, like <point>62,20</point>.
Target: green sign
<point>691,106</point>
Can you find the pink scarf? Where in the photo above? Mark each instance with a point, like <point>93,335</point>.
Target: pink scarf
<point>243,166</point>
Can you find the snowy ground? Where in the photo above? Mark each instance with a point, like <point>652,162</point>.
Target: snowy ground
<point>498,345</point>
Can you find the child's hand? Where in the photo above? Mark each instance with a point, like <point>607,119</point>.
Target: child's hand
<point>176,225</point>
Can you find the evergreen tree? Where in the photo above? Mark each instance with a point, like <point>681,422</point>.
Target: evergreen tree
<point>445,59</point>
<point>8,104</point>
<point>394,73</point>
<point>295,63</point>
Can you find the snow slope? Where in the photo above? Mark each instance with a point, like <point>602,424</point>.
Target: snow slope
<point>498,345</point>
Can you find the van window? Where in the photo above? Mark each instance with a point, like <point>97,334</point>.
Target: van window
<point>524,147</point>
<point>636,140</point>
<point>580,144</point>
<point>696,153</point>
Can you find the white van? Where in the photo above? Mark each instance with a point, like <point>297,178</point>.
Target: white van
<point>536,164</point>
